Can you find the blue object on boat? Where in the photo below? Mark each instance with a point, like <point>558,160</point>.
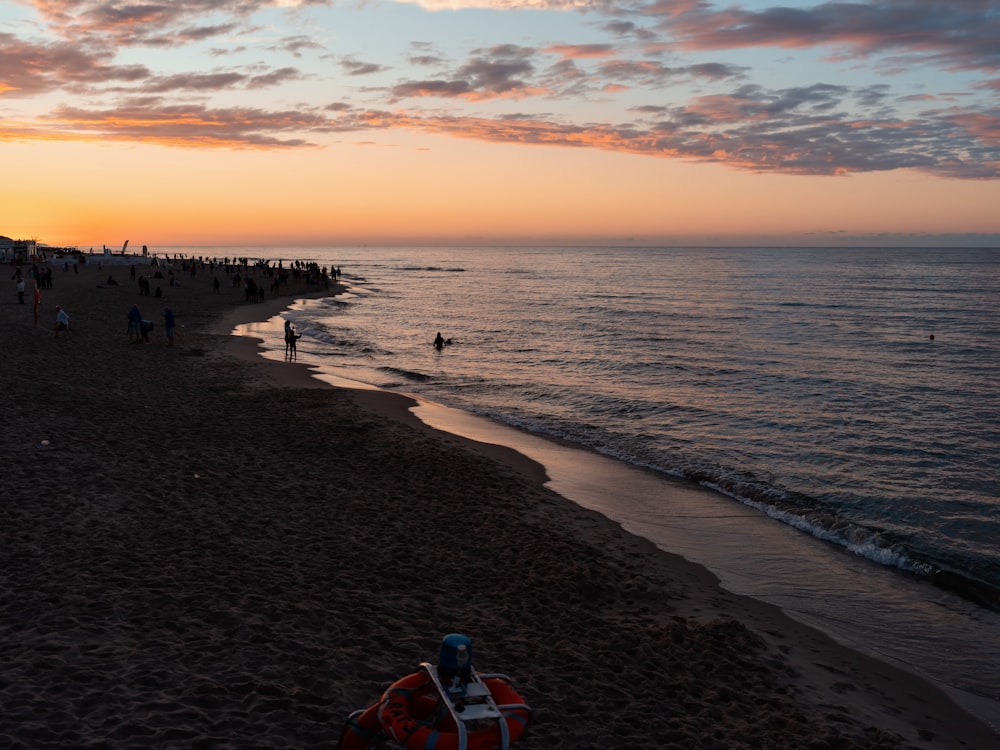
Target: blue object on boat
<point>456,655</point>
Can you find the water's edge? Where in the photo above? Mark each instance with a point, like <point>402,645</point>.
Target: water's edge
<point>752,554</point>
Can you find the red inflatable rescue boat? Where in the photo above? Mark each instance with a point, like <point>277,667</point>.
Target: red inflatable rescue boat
<point>445,707</point>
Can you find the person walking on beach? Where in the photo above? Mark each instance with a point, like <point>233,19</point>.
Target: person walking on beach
<point>62,321</point>
<point>20,290</point>
<point>168,323</point>
<point>291,351</point>
<point>134,325</point>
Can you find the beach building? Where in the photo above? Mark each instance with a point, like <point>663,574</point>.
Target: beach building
<point>17,250</point>
<point>31,251</point>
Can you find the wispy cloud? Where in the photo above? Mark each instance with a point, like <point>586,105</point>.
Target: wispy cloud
<point>675,76</point>
<point>581,51</point>
<point>789,132</point>
<point>154,121</point>
<point>503,71</point>
<point>956,35</point>
<point>30,68</point>
<point>121,22</point>
<point>454,5</point>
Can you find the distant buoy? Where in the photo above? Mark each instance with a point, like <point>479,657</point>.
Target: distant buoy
<point>932,337</point>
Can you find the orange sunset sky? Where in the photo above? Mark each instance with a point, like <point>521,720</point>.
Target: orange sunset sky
<point>293,122</point>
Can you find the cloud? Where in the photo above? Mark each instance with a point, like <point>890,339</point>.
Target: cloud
<point>755,104</point>
<point>296,45</point>
<point>125,23</point>
<point>581,51</point>
<point>667,107</point>
<point>511,71</point>
<point>28,68</point>
<point>956,35</point>
<point>501,71</point>
<point>194,82</point>
<point>448,89</point>
<point>425,60</point>
<point>273,78</point>
<point>358,68</point>
<point>796,131</point>
<point>151,120</point>
<point>655,74</point>
<point>557,5</point>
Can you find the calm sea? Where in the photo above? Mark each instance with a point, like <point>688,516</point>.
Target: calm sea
<point>853,395</point>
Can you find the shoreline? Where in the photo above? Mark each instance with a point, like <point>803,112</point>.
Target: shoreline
<point>593,481</point>
<point>396,406</point>
<point>202,545</point>
<point>479,431</point>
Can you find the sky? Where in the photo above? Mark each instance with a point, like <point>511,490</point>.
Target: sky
<point>325,122</point>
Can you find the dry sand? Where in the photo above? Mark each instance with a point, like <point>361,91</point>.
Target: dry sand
<point>199,548</point>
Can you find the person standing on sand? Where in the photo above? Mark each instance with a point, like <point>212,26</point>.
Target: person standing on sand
<point>168,323</point>
<point>134,324</point>
<point>291,337</point>
<point>20,290</point>
<point>62,321</point>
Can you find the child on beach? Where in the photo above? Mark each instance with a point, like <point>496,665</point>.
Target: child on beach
<point>62,320</point>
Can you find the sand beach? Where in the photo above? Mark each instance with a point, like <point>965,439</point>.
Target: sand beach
<point>202,548</point>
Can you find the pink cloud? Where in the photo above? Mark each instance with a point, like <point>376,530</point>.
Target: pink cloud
<point>784,132</point>
<point>580,51</point>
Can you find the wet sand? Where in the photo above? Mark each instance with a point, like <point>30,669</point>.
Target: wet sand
<point>202,548</point>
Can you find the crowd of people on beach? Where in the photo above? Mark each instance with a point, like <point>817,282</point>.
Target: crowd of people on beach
<point>42,277</point>
<point>243,272</point>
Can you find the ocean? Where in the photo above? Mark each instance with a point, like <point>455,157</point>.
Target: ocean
<point>837,410</point>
